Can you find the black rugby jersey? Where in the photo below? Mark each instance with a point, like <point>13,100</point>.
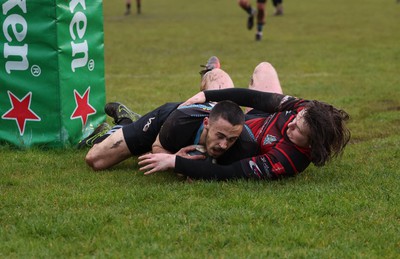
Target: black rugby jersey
<point>183,128</point>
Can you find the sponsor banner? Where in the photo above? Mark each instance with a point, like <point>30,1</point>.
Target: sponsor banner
<point>52,89</point>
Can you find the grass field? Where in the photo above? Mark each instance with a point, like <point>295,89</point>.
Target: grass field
<point>343,52</point>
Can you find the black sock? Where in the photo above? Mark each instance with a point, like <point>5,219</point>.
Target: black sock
<point>248,10</point>
<point>100,139</point>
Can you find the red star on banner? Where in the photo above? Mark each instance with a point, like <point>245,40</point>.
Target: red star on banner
<point>83,108</point>
<point>20,111</point>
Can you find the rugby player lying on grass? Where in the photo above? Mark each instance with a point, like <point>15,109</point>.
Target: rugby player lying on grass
<point>291,133</point>
<point>218,128</point>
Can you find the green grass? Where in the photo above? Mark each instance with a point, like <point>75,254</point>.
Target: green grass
<point>343,52</point>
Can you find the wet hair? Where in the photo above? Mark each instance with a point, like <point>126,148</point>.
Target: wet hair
<point>228,111</point>
<point>328,132</point>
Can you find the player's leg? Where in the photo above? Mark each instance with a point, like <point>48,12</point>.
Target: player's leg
<point>129,140</point>
<point>214,78</point>
<point>121,115</point>
<point>278,7</point>
<point>261,13</point>
<point>109,152</point>
<point>246,6</point>
<point>138,6</point>
<point>265,78</point>
<point>128,7</point>
<point>109,148</point>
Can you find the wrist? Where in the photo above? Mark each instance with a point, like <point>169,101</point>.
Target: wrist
<point>171,161</point>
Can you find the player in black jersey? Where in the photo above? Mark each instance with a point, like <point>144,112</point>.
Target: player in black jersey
<point>190,125</point>
<point>217,127</point>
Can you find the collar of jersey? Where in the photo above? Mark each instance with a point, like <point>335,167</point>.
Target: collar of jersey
<point>198,134</point>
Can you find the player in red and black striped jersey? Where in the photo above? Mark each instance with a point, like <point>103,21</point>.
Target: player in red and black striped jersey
<point>282,152</point>
<point>295,133</point>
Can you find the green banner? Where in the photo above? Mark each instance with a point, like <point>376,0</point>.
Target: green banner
<point>52,89</point>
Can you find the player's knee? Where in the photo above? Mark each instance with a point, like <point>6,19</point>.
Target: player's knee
<point>216,79</point>
<point>264,67</point>
<point>93,160</point>
<point>265,78</point>
<point>90,159</point>
<point>95,164</point>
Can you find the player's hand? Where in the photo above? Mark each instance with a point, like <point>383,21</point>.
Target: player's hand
<point>151,163</point>
<point>198,98</point>
<point>193,152</point>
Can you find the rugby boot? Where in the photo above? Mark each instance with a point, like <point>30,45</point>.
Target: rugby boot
<point>120,112</point>
<point>92,139</point>
<point>212,63</point>
<point>258,36</point>
<point>279,10</point>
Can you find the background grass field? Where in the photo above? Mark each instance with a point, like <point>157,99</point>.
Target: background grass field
<point>343,52</point>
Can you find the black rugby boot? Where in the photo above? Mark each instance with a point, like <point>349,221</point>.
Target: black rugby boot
<point>120,113</point>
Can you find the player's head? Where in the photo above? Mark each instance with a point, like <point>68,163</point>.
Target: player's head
<point>298,130</point>
<point>223,127</point>
<point>328,134</point>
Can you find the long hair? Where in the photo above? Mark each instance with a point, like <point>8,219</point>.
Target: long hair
<point>329,134</point>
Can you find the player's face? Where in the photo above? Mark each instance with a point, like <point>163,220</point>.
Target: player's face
<point>298,131</point>
<point>221,135</point>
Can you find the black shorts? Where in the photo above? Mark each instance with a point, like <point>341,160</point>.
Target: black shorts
<point>261,1</point>
<point>141,134</point>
